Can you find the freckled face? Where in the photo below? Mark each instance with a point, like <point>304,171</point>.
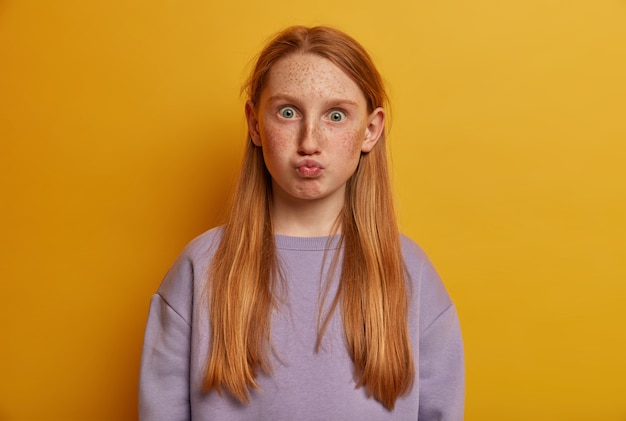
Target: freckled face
<point>312,123</point>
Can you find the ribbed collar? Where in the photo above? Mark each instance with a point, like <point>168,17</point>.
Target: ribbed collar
<point>286,242</point>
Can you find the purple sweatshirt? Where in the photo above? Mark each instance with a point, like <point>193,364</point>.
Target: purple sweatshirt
<point>304,384</point>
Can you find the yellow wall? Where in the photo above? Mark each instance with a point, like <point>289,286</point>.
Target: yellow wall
<point>121,129</point>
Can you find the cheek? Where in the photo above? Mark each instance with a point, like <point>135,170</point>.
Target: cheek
<point>349,142</point>
<point>271,135</point>
<point>274,142</point>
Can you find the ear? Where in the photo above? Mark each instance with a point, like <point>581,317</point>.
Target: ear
<point>253,123</point>
<point>374,130</point>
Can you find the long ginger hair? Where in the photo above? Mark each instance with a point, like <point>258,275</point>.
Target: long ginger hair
<point>372,294</point>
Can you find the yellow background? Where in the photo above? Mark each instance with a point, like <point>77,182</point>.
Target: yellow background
<point>121,129</point>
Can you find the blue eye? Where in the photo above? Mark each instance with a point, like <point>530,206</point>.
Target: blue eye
<point>287,112</point>
<point>337,116</point>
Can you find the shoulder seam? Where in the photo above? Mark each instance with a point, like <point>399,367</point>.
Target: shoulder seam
<point>445,310</point>
<point>173,309</point>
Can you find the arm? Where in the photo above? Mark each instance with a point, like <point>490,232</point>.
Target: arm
<point>441,369</point>
<point>164,375</point>
<point>441,362</point>
<point>165,361</point>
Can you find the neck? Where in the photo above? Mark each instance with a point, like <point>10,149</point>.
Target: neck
<point>305,218</point>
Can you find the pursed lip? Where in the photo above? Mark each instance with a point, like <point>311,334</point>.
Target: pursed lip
<point>309,168</point>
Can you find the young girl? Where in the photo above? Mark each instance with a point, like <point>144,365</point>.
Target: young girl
<point>307,304</point>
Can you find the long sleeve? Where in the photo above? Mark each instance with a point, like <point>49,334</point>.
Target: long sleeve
<point>441,358</point>
<point>164,376</point>
<point>164,388</point>
<point>441,370</point>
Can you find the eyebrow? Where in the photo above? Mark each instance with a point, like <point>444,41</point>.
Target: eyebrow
<point>293,99</point>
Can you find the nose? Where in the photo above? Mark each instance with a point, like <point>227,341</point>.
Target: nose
<point>310,139</point>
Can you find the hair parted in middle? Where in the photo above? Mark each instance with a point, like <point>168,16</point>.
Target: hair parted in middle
<point>372,294</point>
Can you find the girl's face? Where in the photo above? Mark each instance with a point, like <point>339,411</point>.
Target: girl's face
<point>312,123</point>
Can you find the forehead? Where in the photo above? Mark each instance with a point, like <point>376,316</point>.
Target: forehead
<point>310,76</point>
